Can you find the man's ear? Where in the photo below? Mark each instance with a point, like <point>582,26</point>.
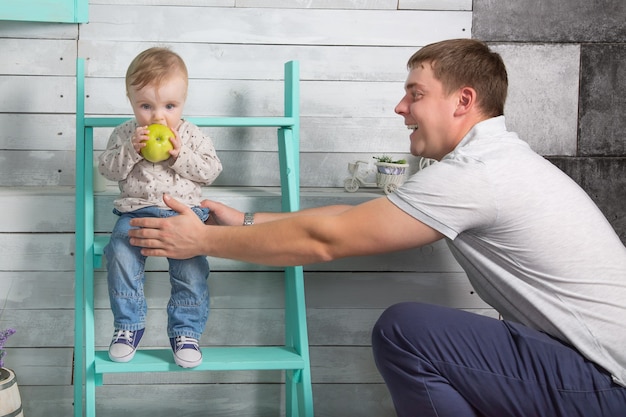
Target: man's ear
<point>467,100</point>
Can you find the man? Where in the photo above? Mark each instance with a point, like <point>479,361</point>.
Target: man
<point>531,241</point>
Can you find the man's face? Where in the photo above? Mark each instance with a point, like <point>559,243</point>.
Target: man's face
<point>162,104</point>
<point>428,112</point>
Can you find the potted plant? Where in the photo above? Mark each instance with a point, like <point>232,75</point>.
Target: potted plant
<point>390,174</point>
<point>386,165</point>
<point>10,401</point>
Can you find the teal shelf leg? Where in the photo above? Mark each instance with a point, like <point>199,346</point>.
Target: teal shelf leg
<point>289,159</point>
<point>88,274</point>
<point>289,140</point>
<point>79,307</point>
<point>84,338</point>
<point>298,392</point>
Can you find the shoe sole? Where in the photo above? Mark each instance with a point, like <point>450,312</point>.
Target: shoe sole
<point>123,359</point>
<point>187,364</point>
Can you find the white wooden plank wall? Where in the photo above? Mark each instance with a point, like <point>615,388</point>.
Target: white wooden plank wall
<point>352,56</point>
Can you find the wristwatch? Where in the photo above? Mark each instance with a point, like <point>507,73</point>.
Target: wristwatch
<point>248,219</point>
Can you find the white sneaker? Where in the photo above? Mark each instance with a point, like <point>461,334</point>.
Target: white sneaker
<point>124,344</point>
<point>187,353</point>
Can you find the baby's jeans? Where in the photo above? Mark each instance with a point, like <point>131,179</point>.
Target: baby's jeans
<point>188,307</point>
<point>440,362</point>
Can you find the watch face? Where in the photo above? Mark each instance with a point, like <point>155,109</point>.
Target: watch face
<point>248,219</point>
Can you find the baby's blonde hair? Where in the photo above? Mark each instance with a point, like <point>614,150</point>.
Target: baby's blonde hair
<point>153,66</point>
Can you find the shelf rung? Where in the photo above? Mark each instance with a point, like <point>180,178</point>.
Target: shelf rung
<point>247,121</point>
<point>99,242</point>
<point>214,359</point>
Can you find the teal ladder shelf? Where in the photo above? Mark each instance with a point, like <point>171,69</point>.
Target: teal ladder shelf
<point>293,358</point>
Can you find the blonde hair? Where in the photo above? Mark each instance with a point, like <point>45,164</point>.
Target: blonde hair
<point>461,63</point>
<point>153,66</point>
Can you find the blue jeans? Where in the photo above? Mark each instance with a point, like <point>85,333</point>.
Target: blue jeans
<point>188,307</point>
<point>442,362</point>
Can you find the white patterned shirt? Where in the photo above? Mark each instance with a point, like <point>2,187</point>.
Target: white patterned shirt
<point>143,183</point>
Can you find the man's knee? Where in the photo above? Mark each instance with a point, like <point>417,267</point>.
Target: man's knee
<point>404,314</point>
<point>394,322</point>
<point>409,325</point>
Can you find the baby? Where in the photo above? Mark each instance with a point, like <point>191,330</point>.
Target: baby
<point>156,85</point>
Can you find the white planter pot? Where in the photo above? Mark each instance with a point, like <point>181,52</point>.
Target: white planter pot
<point>10,401</point>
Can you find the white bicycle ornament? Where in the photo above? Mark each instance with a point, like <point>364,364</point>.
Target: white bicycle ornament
<point>389,175</point>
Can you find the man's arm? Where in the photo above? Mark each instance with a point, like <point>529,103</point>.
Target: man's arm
<point>377,226</point>
<point>223,215</point>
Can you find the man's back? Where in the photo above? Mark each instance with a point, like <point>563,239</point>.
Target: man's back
<point>533,244</point>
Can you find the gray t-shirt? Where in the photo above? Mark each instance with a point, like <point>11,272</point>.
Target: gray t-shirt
<point>532,242</point>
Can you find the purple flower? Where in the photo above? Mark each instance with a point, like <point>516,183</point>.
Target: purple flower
<point>4,335</point>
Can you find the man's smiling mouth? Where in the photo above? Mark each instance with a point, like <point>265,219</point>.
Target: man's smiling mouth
<point>412,127</point>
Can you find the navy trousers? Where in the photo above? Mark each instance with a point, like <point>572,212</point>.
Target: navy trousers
<point>442,362</point>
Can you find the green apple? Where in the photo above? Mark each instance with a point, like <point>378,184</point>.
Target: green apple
<point>158,147</point>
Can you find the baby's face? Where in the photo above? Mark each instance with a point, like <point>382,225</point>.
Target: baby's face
<point>162,104</point>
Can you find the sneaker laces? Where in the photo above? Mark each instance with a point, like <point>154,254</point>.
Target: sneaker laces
<point>188,342</point>
<point>123,336</point>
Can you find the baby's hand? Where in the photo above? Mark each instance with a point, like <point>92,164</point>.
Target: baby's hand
<point>139,138</point>
<point>176,143</point>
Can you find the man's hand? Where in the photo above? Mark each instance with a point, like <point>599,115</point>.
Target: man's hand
<point>178,237</point>
<point>221,214</point>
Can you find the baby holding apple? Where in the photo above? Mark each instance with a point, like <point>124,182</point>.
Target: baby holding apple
<point>155,153</point>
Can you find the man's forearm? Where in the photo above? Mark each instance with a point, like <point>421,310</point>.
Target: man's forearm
<point>275,240</point>
<point>263,217</point>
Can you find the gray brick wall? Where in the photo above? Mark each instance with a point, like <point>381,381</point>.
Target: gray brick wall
<point>598,29</point>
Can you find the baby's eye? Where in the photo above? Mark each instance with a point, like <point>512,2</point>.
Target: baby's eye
<point>170,106</point>
<point>145,106</point>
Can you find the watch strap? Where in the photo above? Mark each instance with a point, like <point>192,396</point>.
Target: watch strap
<point>248,219</point>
